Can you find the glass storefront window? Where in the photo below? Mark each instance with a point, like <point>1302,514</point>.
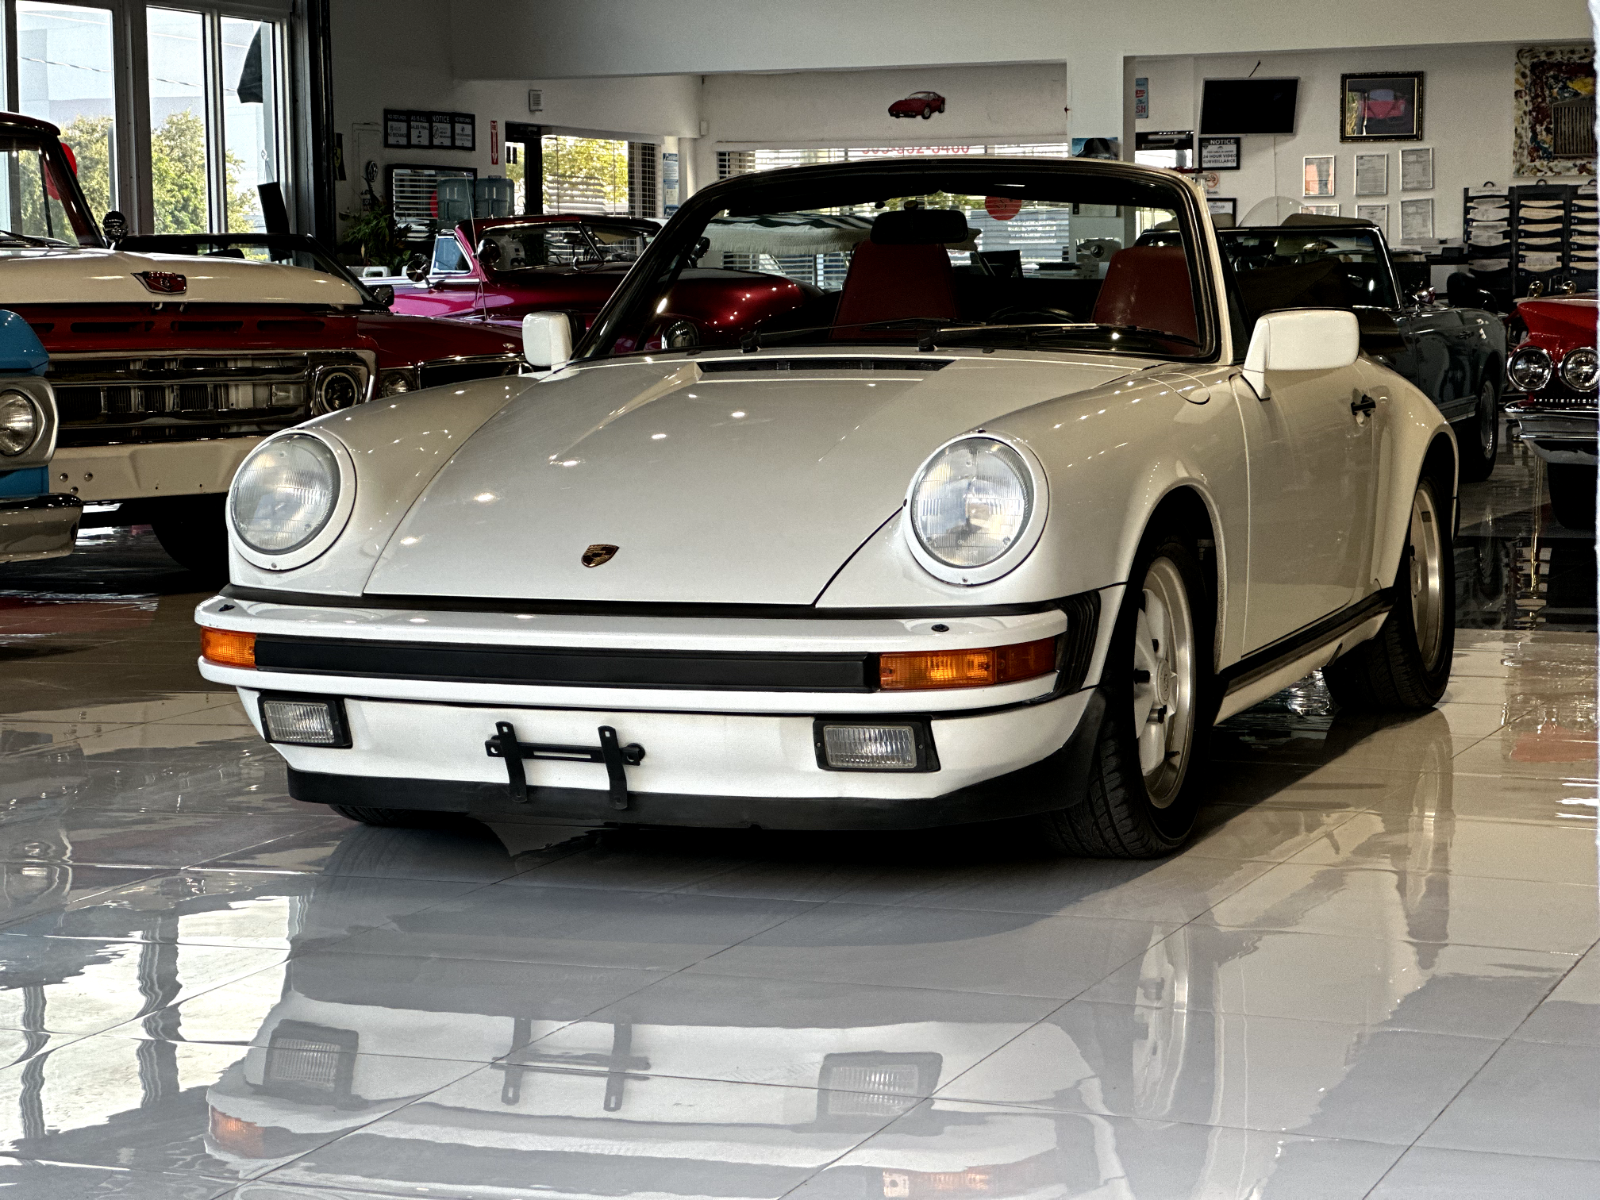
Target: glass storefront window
<point>178,120</point>
<point>65,75</point>
<point>249,119</point>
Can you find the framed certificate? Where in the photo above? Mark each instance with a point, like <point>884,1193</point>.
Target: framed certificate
<point>1319,176</point>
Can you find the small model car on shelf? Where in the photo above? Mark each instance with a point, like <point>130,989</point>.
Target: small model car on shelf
<point>918,104</point>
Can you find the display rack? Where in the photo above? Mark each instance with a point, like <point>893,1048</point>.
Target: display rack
<point>1486,229</point>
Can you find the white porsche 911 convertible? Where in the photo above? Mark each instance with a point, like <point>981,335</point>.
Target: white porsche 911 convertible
<point>969,532</point>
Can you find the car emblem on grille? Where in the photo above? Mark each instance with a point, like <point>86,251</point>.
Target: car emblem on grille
<point>165,283</point>
<point>597,554</point>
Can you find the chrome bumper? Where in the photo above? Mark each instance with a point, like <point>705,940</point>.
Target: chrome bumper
<point>1558,436</point>
<point>35,527</point>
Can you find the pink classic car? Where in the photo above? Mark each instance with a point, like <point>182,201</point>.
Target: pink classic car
<point>500,269</point>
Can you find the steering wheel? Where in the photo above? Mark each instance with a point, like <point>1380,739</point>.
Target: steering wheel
<point>1032,316</point>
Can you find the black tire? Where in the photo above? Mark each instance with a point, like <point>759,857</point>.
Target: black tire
<point>1116,816</point>
<point>384,817</point>
<point>927,111</point>
<point>1479,437</point>
<point>1572,494</point>
<point>1400,670</point>
<point>194,533</point>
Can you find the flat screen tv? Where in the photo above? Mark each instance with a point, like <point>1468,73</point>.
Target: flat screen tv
<point>1248,106</point>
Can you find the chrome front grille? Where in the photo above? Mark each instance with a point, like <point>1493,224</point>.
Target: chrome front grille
<point>118,398</point>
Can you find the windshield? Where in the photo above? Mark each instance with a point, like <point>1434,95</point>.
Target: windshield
<point>1308,267</point>
<point>39,201</point>
<point>565,246</point>
<point>1020,253</point>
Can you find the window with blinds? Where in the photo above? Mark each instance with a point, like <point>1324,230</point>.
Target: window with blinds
<point>1039,234</point>
<point>642,195</point>
<point>413,193</point>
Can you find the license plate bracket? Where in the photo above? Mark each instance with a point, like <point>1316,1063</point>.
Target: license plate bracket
<point>615,756</point>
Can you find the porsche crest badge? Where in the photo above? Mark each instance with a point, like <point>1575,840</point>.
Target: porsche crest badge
<point>597,554</point>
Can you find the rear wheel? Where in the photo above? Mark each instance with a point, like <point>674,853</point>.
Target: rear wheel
<point>1572,494</point>
<point>1479,437</point>
<point>1142,787</point>
<point>1407,665</point>
<point>193,532</point>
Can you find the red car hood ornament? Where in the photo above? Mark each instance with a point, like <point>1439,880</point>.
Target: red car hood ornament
<point>164,283</point>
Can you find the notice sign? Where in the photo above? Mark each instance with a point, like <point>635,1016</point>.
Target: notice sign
<point>1219,153</point>
<point>404,127</point>
<point>1141,99</point>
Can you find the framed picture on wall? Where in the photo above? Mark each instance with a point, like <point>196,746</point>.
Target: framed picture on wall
<point>1320,210</point>
<point>1223,206</point>
<point>1372,174</point>
<point>1378,214</point>
<point>1416,170</point>
<point>1319,176</point>
<point>1416,220</point>
<point>1381,108</point>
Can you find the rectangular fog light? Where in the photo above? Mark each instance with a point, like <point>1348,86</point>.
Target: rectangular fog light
<point>890,746</point>
<point>305,721</point>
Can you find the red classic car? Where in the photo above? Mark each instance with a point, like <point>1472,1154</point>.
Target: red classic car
<point>169,367</point>
<point>1557,367</point>
<point>918,104</point>
<point>498,270</point>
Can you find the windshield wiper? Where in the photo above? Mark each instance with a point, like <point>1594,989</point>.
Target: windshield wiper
<point>1028,334</point>
<point>29,240</point>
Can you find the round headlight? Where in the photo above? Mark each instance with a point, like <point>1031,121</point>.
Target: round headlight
<point>1529,369</point>
<point>394,383</point>
<point>335,390</point>
<point>1580,369</point>
<point>19,423</point>
<point>285,493</point>
<point>971,502</point>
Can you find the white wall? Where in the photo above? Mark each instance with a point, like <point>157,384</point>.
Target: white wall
<point>1466,119</point>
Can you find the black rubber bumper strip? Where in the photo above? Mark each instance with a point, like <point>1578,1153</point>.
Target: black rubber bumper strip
<point>1056,782</point>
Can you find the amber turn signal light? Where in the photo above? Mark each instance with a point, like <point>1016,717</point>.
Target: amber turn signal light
<point>227,647</point>
<point>238,1136</point>
<point>930,669</point>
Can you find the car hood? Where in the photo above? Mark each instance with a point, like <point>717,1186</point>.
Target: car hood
<point>93,276</point>
<point>715,485</point>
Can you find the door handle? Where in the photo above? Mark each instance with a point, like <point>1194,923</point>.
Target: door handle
<point>1363,406</point>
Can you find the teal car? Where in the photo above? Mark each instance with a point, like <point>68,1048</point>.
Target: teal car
<point>34,522</point>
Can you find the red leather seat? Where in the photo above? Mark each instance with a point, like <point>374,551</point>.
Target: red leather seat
<point>888,283</point>
<point>1148,286</point>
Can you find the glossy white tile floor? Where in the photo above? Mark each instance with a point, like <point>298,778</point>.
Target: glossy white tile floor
<point>1373,974</point>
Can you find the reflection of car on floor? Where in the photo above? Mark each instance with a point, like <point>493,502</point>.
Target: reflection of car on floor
<point>169,368</point>
<point>499,270</point>
<point>883,565</point>
<point>1454,352</point>
<point>918,104</point>
<point>34,523</point>
<point>1557,368</point>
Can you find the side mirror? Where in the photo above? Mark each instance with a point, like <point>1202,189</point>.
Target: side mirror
<point>417,269</point>
<point>546,340</point>
<point>488,252</point>
<point>1300,339</point>
<point>383,293</point>
<point>1423,297</point>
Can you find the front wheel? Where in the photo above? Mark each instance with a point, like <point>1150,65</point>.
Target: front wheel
<point>927,111</point>
<point>1572,494</point>
<point>1479,437</point>
<point>1406,666</point>
<point>1142,787</point>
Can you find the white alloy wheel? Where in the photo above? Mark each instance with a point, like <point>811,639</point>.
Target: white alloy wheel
<point>1164,682</point>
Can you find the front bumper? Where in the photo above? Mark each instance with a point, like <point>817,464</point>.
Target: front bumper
<point>732,757</point>
<point>101,474</point>
<point>35,527</point>
<point>1558,436</point>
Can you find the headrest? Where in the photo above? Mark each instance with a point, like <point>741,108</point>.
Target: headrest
<point>920,227</point>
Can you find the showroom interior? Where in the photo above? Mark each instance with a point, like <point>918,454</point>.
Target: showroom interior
<point>501,785</point>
